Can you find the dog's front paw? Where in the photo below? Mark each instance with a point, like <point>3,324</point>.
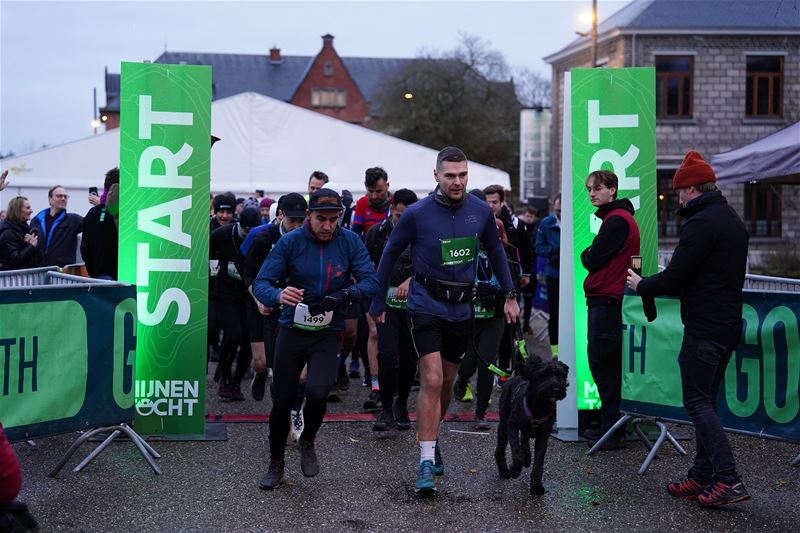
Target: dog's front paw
<point>504,473</point>
<point>515,471</point>
<point>527,461</point>
<point>537,490</point>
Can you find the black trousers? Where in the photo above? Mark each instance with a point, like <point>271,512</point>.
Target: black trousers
<point>703,363</point>
<point>604,349</point>
<point>294,349</point>
<point>235,344</point>
<point>552,305</point>
<point>397,362</point>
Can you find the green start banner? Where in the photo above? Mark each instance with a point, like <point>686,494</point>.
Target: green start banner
<point>67,359</point>
<point>165,126</point>
<point>761,390</point>
<point>613,128</point>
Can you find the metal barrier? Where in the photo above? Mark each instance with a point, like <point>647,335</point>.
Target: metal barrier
<point>46,277</point>
<point>753,282</point>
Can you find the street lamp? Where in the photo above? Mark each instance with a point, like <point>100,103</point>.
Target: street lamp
<point>408,95</point>
<point>585,18</point>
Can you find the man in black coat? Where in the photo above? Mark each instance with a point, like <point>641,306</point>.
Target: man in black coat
<point>707,272</point>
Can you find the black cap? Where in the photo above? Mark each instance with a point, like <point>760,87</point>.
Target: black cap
<point>293,205</point>
<point>325,199</point>
<point>223,201</point>
<point>250,217</point>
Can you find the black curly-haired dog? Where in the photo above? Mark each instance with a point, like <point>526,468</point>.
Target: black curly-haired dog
<point>527,411</point>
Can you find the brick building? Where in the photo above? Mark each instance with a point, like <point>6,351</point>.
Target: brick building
<point>727,74</point>
<point>340,87</point>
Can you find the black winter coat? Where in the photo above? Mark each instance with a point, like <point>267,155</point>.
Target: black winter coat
<point>100,243</point>
<point>60,246</point>
<point>707,270</point>
<point>15,253</point>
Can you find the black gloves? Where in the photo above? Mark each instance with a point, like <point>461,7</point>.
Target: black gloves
<point>649,306</point>
<point>330,302</point>
<point>485,293</point>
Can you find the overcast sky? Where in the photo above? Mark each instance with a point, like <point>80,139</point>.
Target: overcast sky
<point>52,54</point>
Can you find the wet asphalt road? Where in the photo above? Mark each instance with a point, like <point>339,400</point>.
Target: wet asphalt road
<point>366,484</point>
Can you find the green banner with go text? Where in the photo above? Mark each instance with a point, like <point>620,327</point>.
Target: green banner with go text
<point>165,148</point>
<point>613,128</point>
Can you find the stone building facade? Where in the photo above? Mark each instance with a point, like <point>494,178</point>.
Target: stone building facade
<point>713,112</point>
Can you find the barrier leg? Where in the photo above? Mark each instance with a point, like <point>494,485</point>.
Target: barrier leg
<point>144,449</point>
<point>671,438</point>
<point>796,461</point>
<point>619,423</point>
<point>641,434</point>
<point>654,450</point>
<point>149,448</point>
<point>102,446</point>
<point>75,445</point>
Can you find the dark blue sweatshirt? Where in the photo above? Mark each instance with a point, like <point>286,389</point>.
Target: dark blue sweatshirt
<point>422,226</point>
<point>319,268</point>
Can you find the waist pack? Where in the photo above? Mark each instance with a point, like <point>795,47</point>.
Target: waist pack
<point>447,291</point>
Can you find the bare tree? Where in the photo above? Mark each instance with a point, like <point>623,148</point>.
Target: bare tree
<point>533,89</point>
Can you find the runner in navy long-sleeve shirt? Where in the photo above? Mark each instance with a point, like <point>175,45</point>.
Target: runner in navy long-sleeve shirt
<point>443,231</point>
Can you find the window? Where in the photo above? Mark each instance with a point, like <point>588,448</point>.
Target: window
<point>674,86</point>
<point>328,98</point>
<point>763,95</point>
<point>669,224</point>
<point>762,210</point>
<point>327,69</point>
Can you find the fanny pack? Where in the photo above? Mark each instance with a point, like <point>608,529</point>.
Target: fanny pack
<point>447,291</point>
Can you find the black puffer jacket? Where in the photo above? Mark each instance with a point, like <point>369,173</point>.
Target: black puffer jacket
<point>15,253</point>
<point>707,270</point>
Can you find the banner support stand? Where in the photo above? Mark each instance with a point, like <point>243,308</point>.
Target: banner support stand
<point>662,436</point>
<point>145,449</point>
<point>796,461</point>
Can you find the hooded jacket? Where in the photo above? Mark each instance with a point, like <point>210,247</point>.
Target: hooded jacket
<point>707,270</point>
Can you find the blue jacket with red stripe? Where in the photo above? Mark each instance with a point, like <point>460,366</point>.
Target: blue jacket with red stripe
<point>319,268</point>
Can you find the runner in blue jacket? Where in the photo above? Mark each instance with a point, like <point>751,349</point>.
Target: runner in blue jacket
<point>443,231</point>
<point>316,262</point>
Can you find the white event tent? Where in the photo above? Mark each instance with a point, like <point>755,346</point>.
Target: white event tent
<point>266,144</point>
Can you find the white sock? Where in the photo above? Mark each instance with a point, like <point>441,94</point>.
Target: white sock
<point>427,450</point>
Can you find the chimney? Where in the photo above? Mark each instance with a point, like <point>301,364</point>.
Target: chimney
<point>275,55</point>
<point>327,41</point>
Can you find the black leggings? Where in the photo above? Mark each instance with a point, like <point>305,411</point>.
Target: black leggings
<point>293,350</point>
<point>486,339</point>
<point>397,361</point>
<point>552,304</point>
<point>232,318</point>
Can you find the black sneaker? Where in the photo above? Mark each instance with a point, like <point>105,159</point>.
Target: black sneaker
<point>373,401</point>
<point>259,385</point>
<point>308,458</point>
<point>274,476</point>
<point>480,423</point>
<point>384,421</point>
<point>342,380</point>
<point>401,420</point>
<point>720,494</point>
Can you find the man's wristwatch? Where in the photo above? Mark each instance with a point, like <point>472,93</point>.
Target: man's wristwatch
<point>511,295</point>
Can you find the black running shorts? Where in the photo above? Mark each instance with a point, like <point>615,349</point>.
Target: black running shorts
<point>433,334</point>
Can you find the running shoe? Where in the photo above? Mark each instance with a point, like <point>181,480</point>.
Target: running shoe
<point>401,419</point>
<point>438,466</point>
<point>468,394</point>
<point>720,494</point>
<point>354,368</point>
<point>373,401</point>
<point>426,483</point>
<point>297,425</point>
<point>236,393</point>
<point>384,421</point>
<point>342,380</point>
<point>274,476</point>
<point>258,386</point>
<point>480,423</point>
<point>308,458</point>
<point>688,489</point>
<point>224,390</point>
